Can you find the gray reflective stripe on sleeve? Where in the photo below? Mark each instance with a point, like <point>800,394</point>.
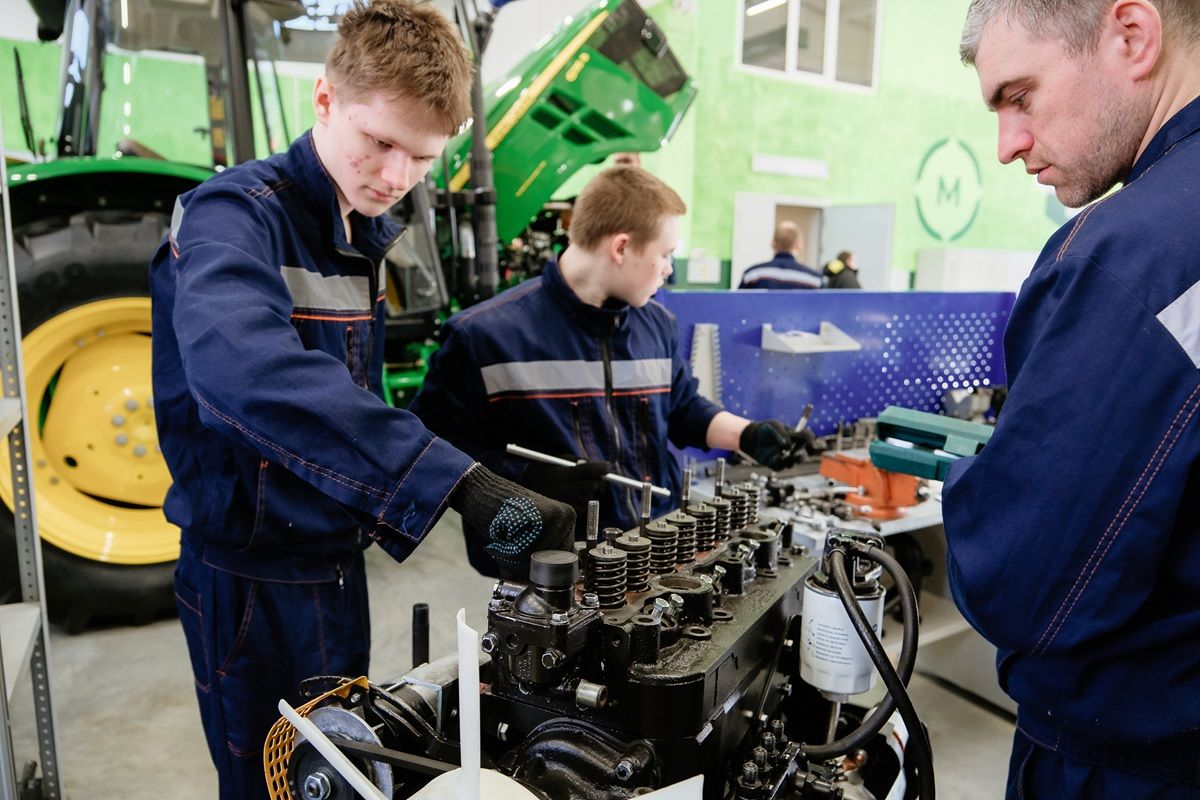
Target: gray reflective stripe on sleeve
<point>583,376</point>
<point>642,373</point>
<point>781,274</point>
<point>382,276</point>
<point>176,220</point>
<point>327,292</point>
<point>1182,320</point>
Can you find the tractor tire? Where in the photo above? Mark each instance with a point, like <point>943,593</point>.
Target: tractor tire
<point>83,287</point>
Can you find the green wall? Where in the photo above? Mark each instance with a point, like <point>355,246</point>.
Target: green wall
<point>874,142</point>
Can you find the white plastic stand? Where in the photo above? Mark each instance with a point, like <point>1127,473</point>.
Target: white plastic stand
<point>829,339</point>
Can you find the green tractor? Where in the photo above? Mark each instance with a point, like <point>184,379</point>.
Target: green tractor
<point>156,95</point>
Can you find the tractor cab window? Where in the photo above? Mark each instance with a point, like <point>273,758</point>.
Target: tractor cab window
<point>150,78</point>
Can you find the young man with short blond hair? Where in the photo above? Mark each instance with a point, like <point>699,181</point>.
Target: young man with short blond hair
<point>1073,538</point>
<point>582,362</point>
<point>268,346</point>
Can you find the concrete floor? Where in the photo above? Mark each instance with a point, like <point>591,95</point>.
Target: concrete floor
<point>129,728</point>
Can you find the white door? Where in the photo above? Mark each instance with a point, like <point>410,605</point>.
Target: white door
<point>865,231</point>
<point>754,220</point>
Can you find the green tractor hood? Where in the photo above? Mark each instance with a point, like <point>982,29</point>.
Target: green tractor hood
<point>605,82</point>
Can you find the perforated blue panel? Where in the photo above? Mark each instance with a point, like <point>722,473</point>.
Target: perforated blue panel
<point>916,346</point>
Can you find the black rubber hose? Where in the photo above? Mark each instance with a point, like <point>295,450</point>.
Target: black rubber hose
<point>917,735</point>
<point>908,656</point>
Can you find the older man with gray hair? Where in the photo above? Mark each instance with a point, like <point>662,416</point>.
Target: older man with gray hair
<point>1074,537</point>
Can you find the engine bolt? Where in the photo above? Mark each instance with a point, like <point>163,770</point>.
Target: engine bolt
<point>750,772</point>
<point>777,730</point>
<point>624,770</point>
<point>551,659</point>
<point>317,786</point>
<point>591,600</point>
<point>489,642</point>
<point>559,618</point>
<point>659,608</point>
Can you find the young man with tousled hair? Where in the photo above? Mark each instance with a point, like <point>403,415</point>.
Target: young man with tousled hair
<point>268,348</point>
<point>583,363</point>
<point>1073,537</point>
<point>784,270</point>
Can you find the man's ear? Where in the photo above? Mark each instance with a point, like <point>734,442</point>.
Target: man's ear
<point>618,246</point>
<point>1133,30</point>
<point>323,99</point>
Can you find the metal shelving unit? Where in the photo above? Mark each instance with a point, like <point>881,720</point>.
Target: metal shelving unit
<point>23,637</point>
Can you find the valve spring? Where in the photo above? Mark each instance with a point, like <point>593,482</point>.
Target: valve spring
<point>637,561</point>
<point>723,508</point>
<point>737,508</point>
<point>754,492</point>
<point>706,526</point>
<point>685,552</point>
<point>607,575</point>
<point>664,543</point>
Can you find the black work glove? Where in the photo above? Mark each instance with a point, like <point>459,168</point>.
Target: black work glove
<point>775,445</point>
<point>518,522</point>
<point>574,486</point>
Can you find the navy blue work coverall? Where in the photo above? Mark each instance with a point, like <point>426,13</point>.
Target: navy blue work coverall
<point>538,367</point>
<point>781,272</point>
<point>268,348</point>
<point>1074,537</point>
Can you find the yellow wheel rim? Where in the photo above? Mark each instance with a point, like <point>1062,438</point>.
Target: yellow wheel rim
<point>99,477</point>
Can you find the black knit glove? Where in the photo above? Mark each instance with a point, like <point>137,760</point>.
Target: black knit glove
<point>775,445</point>
<point>518,522</point>
<point>574,486</point>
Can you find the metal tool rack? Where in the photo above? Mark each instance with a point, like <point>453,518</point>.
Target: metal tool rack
<point>23,637</point>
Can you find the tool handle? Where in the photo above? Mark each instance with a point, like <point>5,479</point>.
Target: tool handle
<point>611,477</point>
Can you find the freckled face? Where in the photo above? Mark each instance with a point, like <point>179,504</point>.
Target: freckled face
<point>375,148</point>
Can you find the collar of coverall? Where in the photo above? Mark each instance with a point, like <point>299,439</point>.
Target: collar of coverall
<point>1183,124</point>
<point>372,236</point>
<point>609,318</point>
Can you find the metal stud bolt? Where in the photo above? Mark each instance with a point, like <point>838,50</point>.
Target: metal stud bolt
<point>317,786</point>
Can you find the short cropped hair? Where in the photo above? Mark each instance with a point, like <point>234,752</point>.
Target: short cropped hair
<point>1077,22</point>
<point>786,236</point>
<point>405,52</point>
<point>622,200</point>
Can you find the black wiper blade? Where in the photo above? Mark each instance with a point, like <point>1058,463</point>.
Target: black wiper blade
<point>23,105</point>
